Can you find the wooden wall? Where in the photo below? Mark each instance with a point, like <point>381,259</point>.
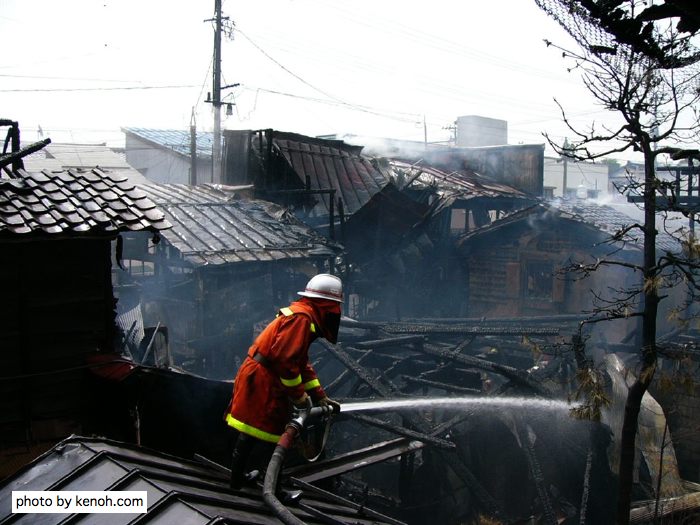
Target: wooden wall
<point>57,309</point>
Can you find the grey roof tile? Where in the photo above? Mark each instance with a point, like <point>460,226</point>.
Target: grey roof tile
<point>74,201</point>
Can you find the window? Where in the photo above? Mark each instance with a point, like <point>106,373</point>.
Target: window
<point>538,280</point>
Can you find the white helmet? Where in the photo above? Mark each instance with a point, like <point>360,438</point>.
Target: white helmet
<point>324,286</point>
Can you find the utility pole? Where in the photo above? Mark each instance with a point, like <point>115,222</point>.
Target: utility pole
<point>193,149</point>
<point>425,133</point>
<point>216,101</point>
<point>565,166</point>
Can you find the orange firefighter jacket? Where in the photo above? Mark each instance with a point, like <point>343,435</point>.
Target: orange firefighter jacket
<point>262,390</point>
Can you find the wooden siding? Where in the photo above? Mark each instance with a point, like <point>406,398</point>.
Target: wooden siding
<point>57,309</point>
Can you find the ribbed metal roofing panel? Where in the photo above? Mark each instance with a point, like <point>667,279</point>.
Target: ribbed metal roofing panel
<point>73,202</point>
<point>211,227</point>
<point>331,164</point>
<point>179,491</point>
<point>175,140</point>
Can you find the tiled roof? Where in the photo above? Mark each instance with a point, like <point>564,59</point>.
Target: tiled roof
<point>175,140</point>
<point>610,220</point>
<point>178,490</point>
<point>210,226</point>
<point>331,164</point>
<point>73,202</point>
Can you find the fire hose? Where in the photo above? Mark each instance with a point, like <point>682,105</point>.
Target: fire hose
<point>291,432</point>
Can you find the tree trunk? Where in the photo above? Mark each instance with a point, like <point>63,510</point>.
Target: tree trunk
<point>646,372</point>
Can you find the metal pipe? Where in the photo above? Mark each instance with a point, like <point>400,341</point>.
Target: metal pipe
<point>275,466</point>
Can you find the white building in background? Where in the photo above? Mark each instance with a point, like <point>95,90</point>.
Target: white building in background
<point>581,179</point>
<point>474,131</point>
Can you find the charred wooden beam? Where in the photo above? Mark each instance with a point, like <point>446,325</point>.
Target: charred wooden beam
<point>385,391</point>
<point>356,459</point>
<point>402,431</point>
<point>526,435</point>
<point>544,319</point>
<point>442,386</point>
<point>392,341</point>
<point>513,374</point>
<point>435,329</point>
<point>355,367</point>
<point>344,375</point>
<point>362,510</point>
<point>16,157</point>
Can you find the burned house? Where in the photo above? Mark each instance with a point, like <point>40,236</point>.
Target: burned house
<point>324,182</point>
<point>58,308</point>
<point>226,264</point>
<point>516,265</point>
<point>397,220</point>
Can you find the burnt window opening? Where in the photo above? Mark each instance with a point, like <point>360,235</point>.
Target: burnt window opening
<point>539,280</point>
<point>138,268</point>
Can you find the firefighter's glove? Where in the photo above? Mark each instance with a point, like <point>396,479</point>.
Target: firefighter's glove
<point>303,402</point>
<point>328,402</point>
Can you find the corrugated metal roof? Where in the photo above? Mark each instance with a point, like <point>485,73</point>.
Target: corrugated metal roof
<point>175,140</point>
<point>212,227</point>
<point>74,201</point>
<point>331,164</point>
<point>179,491</point>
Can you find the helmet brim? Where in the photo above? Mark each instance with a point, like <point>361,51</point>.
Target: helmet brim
<point>315,295</point>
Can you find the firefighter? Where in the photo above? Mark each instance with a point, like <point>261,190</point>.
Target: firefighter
<point>276,373</point>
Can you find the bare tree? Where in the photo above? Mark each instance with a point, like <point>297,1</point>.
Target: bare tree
<point>652,85</point>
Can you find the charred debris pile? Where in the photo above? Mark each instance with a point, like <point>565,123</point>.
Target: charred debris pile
<point>510,449</point>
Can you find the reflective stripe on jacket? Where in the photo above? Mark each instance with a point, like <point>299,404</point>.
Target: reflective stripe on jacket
<point>260,404</point>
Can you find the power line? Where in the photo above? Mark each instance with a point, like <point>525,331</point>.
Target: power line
<point>355,107</point>
<point>126,88</point>
<point>66,78</point>
<point>256,46</point>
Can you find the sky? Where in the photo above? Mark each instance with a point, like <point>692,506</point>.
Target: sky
<point>83,69</point>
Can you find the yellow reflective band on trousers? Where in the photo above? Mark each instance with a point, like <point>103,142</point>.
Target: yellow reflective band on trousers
<point>291,382</point>
<point>314,383</point>
<point>251,431</point>
<point>313,328</point>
